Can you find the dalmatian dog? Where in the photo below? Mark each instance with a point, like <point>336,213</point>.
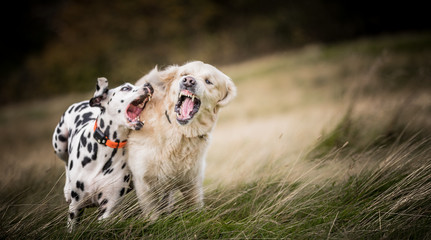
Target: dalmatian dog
<point>91,138</point>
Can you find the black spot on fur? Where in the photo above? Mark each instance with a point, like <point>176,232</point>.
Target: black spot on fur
<point>104,202</point>
<point>122,101</point>
<point>106,168</point>
<point>87,117</point>
<point>61,120</point>
<point>89,134</point>
<point>81,106</point>
<point>110,122</point>
<point>102,211</point>
<point>77,118</point>
<point>85,161</point>
<point>75,195</point>
<point>78,152</point>
<point>99,195</point>
<point>58,130</point>
<point>83,140</point>
<point>124,151</point>
<point>107,165</point>
<point>55,145</point>
<point>119,110</point>
<point>114,152</point>
<point>90,147</point>
<point>94,156</point>
<point>102,123</point>
<point>97,87</point>
<point>62,138</point>
<point>130,188</point>
<point>127,178</point>
<point>71,165</point>
<point>71,215</point>
<point>80,185</point>
<point>107,131</point>
<point>114,136</point>
<point>124,165</point>
<point>122,192</point>
<point>78,124</point>
<point>70,110</point>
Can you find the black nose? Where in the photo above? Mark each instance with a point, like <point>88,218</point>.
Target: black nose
<point>149,87</point>
<point>189,81</point>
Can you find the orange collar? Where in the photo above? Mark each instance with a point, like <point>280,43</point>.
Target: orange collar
<point>103,139</point>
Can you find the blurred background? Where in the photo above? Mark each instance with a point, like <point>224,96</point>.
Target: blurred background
<point>53,47</point>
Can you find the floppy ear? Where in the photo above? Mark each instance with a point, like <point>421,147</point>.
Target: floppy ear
<point>230,93</point>
<point>101,92</point>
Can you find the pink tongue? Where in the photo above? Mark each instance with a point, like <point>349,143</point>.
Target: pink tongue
<point>186,108</point>
<point>133,111</point>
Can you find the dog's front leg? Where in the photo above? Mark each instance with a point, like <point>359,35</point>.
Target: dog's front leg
<point>149,199</point>
<point>167,202</point>
<point>75,213</point>
<point>193,194</point>
<point>109,201</point>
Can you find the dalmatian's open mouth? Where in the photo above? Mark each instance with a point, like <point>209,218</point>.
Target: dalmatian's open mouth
<point>135,108</point>
<point>187,106</point>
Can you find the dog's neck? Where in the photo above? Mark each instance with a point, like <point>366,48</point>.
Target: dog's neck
<point>111,128</point>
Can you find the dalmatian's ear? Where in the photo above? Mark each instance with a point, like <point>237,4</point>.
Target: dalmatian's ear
<point>101,92</point>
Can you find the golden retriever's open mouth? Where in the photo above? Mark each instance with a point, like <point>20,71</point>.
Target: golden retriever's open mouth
<point>187,106</point>
<point>135,108</point>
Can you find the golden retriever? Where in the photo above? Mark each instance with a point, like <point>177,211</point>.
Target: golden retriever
<point>169,153</point>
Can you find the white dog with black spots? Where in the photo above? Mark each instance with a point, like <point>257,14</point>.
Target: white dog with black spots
<point>91,138</point>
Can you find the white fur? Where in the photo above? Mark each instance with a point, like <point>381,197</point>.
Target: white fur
<point>168,156</point>
<point>96,174</point>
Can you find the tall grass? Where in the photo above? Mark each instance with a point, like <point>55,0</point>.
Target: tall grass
<point>321,150</point>
<point>390,201</point>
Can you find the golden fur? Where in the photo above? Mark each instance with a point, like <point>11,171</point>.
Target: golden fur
<point>166,156</point>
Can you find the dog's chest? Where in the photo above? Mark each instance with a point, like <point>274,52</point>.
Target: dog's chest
<point>176,159</point>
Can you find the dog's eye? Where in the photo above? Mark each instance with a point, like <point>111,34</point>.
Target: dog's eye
<point>208,82</point>
<point>126,88</point>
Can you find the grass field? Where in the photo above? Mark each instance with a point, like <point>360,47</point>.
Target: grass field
<point>323,142</point>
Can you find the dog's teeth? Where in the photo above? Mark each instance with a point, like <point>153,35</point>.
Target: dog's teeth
<point>193,98</point>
